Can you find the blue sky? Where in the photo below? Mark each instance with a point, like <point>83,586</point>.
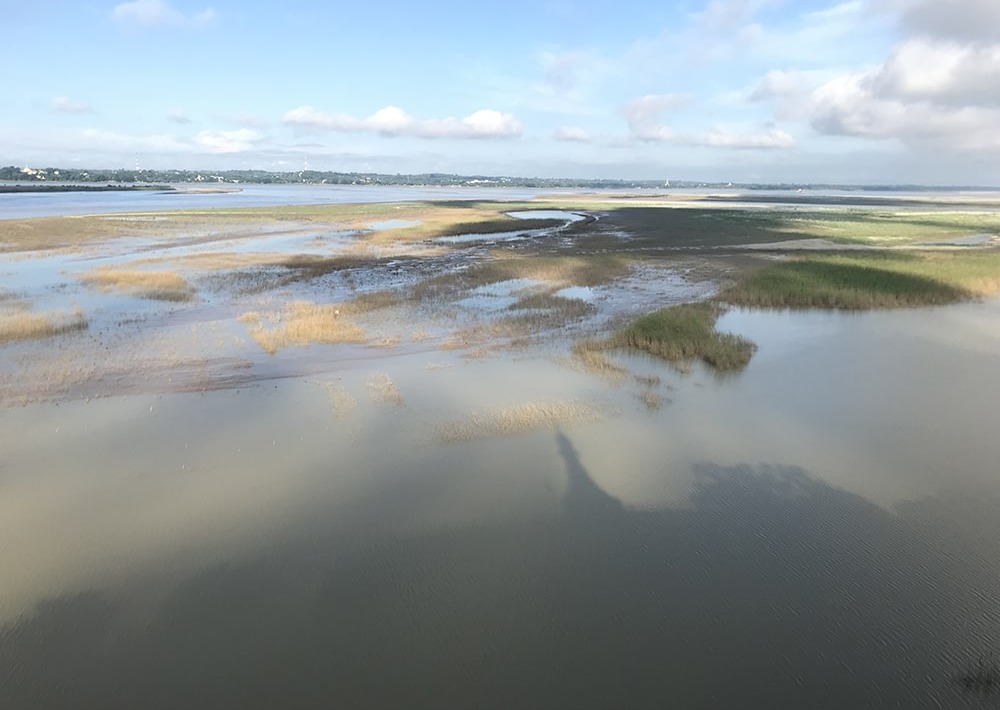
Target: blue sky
<point>742,90</point>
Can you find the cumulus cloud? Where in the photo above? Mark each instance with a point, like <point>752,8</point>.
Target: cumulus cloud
<point>767,139</point>
<point>644,116</point>
<point>849,106</point>
<point>779,84</point>
<point>928,92</point>
<point>572,134</point>
<point>64,104</point>
<point>945,73</point>
<point>237,141</point>
<point>394,121</point>
<point>158,13</point>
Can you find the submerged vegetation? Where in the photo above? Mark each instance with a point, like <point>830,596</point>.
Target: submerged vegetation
<point>517,419</point>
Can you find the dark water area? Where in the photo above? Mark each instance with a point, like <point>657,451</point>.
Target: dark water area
<point>819,531</point>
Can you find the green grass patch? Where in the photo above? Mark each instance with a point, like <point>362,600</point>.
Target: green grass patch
<point>681,334</point>
<point>860,281</point>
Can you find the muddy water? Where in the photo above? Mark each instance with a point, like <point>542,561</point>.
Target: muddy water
<point>821,530</point>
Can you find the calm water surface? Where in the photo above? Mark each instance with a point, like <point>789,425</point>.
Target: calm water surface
<point>819,531</point>
<point>40,204</point>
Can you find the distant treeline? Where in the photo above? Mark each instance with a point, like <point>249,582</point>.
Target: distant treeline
<point>265,177</point>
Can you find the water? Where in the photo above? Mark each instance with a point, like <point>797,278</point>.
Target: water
<point>821,530</point>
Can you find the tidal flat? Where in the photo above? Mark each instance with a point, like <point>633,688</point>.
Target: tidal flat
<point>408,454</point>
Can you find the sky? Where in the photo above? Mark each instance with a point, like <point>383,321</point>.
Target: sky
<point>864,91</point>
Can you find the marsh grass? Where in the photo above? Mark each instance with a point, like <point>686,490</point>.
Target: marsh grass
<point>869,280</point>
<point>22,324</point>
<point>517,419</point>
<point>157,285</point>
<point>302,323</point>
<point>681,334</point>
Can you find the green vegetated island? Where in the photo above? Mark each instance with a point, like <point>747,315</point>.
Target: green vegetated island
<point>916,253</point>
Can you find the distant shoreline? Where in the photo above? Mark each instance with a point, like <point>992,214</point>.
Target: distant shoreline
<point>85,188</point>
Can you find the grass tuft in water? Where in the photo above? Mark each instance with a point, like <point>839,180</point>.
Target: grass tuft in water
<point>302,323</point>
<point>158,285</point>
<point>681,334</point>
<point>23,325</point>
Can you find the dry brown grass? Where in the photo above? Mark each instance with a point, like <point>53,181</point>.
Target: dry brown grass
<point>21,324</point>
<point>302,323</point>
<point>383,390</point>
<point>159,285</point>
<point>517,419</point>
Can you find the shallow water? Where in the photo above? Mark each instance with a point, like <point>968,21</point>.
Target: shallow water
<point>821,530</point>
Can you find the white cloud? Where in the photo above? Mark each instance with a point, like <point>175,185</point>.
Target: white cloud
<point>771,138</point>
<point>64,104</point>
<point>643,116</point>
<point>848,106</point>
<point>779,84</point>
<point>572,134</point>
<point>941,72</point>
<point>394,121</point>
<point>159,13</point>
<point>930,92</point>
<point>211,142</point>
<point>237,141</point>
